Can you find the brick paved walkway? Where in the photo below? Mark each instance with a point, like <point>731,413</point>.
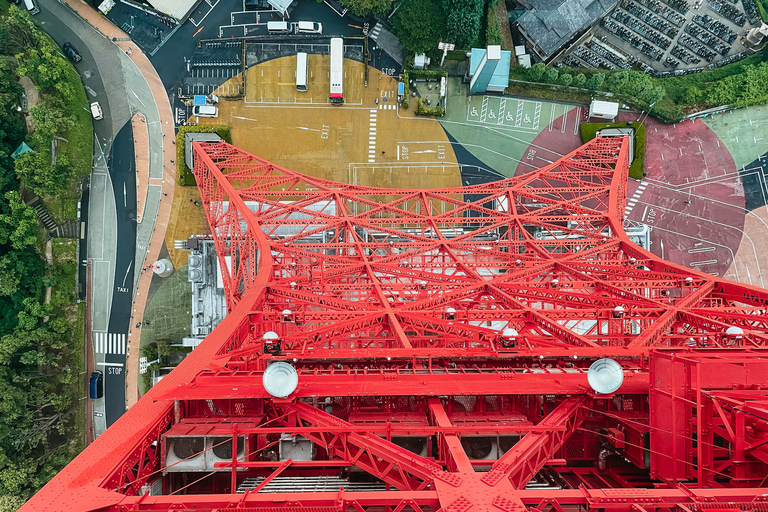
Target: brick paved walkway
<point>141,61</point>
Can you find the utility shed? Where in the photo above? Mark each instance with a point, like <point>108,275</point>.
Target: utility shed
<point>189,138</point>
<point>603,109</point>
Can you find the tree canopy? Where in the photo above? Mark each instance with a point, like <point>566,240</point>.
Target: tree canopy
<point>367,7</point>
<point>419,25</point>
<point>463,22</point>
<point>38,368</point>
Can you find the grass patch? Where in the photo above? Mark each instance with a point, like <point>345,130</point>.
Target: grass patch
<point>589,131</point>
<point>185,174</point>
<point>4,6</point>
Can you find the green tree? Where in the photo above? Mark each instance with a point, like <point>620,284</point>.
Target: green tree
<point>367,7</point>
<point>50,121</point>
<point>536,72</point>
<point>595,81</point>
<point>36,172</point>
<point>19,224</point>
<point>464,20</point>
<point>20,32</point>
<point>551,75</point>
<point>419,25</point>
<point>9,276</point>
<point>565,79</point>
<point>44,65</point>
<point>11,125</point>
<point>10,503</point>
<point>579,80</point>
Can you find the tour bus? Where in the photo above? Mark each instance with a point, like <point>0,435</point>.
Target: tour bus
<point>32,6</point>
<point>302,72</point>
<point>337,71</point>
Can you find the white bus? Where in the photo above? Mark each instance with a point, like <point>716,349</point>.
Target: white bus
<point>337,71</point>
<point>301,72</point>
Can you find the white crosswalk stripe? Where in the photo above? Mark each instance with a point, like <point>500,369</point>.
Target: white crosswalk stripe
<point>108,343</point>
<point>635,198</point>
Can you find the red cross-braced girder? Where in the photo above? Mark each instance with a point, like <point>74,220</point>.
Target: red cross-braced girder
<point>442,340</point>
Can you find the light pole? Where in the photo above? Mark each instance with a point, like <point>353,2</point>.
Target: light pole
<point>446,47</point>
<point>646,113</point>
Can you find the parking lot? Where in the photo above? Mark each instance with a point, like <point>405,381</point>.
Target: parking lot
<point>668,37</point>
<point>274,81</point>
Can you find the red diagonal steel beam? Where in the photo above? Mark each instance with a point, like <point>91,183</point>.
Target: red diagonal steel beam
<point>533,451</point>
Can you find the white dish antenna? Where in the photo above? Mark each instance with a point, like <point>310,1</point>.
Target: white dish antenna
<point>605,376</point>
<point>280,379</point>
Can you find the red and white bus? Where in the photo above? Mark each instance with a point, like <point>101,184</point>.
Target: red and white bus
<point>337,71</point>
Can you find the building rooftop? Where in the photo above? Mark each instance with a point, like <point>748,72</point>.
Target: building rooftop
<point>551,23</point>
<point>501,74</point>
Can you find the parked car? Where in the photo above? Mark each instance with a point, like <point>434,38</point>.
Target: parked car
<point>257,5</point>
<point>96,385</point>
<point>309,27</point>
<point>70,52</point>
<point>96,111</point>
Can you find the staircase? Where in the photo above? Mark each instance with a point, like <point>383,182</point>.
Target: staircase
<point>70,229</point>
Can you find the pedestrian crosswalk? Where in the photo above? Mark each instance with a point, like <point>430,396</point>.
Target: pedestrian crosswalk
<point>108,343</point>
<point>374,34</point>
<point>635,198</point>
<point>372,137</point>
<point>384,106</point>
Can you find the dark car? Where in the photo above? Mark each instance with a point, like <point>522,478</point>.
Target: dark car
<point>257,5</point>
<point>70,52</point>
<point>96,385</point>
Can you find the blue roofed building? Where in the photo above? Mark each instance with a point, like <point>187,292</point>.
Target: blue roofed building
<point>489,69</point>
<point>549,25</point>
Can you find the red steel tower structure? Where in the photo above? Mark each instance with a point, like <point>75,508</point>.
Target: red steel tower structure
<point>429,350</point>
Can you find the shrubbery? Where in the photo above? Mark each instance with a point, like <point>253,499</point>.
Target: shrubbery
<point>426,111</point>
<point>738,85</point>
<point>426,73</point>
<point>492,32</point>
<point>367,8</point>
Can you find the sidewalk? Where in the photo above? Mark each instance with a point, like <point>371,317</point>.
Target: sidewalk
<point>166,182</point>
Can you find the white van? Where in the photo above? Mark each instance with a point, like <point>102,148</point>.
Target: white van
<point>301,71</point>
<point>278,27</point>
<point>309,27</point>
<point>205,111</point>
<point>31,6</point>
<point>96,111</point>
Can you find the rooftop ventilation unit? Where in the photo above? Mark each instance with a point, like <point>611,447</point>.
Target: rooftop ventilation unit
<point>198,454</point>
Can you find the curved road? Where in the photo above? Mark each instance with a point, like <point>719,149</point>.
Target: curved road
<point>101,72</point>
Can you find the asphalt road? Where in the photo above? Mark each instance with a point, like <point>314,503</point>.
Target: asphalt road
<point>122,171</point>
<point>102,76</point>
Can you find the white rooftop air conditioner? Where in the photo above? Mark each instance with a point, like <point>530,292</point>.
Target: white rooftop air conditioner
<point>185,454</point>
<point>220,450</point>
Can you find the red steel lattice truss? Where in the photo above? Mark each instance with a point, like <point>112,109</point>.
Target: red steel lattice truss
<point>442,340</point>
